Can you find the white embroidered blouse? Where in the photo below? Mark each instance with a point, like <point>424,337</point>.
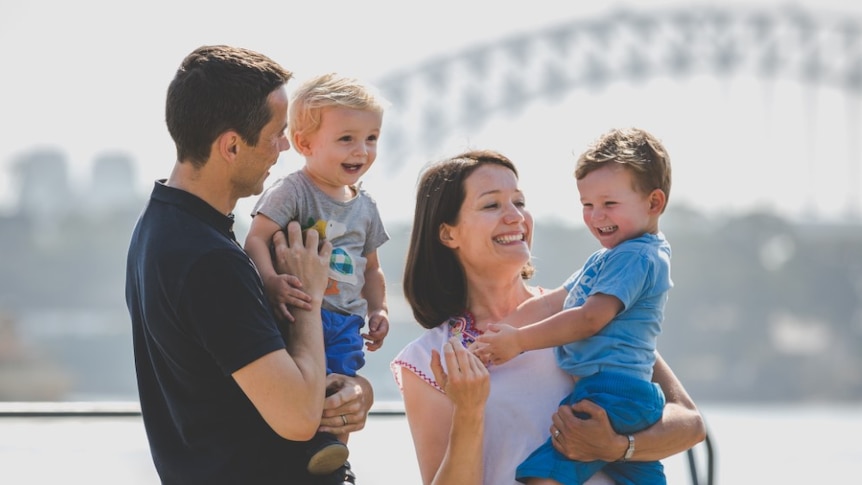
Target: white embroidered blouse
<point>525,393</point>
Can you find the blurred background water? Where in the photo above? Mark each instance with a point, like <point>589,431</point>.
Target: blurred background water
<point>757,102</point>
<point>780,444</point>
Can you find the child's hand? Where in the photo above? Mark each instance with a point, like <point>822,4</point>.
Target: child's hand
<point>378,328</point>
<point>500,343</point>
<point>283,290</point>
<point>479,349</point>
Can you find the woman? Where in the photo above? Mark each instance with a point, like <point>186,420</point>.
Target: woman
<point>468,260</point>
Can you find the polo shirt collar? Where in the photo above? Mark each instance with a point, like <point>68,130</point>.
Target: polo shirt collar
<point>194,205</point>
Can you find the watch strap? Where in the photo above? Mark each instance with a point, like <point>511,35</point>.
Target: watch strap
<point>630,451</point>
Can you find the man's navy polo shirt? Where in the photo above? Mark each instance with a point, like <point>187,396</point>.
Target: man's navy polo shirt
<point>199,314</point>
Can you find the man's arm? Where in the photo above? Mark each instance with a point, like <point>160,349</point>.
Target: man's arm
<point>288,388</point>
<point>281,289</point>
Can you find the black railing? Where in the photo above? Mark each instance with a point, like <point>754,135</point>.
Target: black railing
<point>701,458</point>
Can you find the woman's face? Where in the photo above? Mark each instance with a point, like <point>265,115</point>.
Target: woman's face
<point>494,229</point>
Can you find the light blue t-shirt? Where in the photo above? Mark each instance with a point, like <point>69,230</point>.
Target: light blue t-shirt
<point>637,272</point>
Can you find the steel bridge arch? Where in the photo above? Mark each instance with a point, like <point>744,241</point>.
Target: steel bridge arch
<point>458,93</point>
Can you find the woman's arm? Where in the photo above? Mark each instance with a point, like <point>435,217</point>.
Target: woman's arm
<point>448,429</point>
<point>680,427</point>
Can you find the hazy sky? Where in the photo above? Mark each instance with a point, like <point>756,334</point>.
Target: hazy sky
<point>89,77</point>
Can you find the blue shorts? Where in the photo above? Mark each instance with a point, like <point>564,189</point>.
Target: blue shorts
<point>343,342</point>
<point>632,404</point>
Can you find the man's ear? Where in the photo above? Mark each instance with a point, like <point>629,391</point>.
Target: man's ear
<point>445,234</point>
<point>227,144</point>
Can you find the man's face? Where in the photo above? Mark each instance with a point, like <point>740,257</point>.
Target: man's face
<point>254,162</point>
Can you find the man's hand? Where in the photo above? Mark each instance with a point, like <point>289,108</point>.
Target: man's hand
<point>302,259</point>
<point>347,405</point>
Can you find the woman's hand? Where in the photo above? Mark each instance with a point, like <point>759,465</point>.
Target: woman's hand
<point>586,439</point>
<point>346,408</point>
<point>467,383</point>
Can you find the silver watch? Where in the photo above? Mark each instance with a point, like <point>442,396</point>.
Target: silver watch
<point>630,451</point>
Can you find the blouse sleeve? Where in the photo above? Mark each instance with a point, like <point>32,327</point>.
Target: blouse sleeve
<point>415,357</point>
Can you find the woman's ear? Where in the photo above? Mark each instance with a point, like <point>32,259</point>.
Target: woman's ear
<point>446,236</point>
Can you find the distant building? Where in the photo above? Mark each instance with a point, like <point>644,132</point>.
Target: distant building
<point>112,185</point>
<point>43,184</point>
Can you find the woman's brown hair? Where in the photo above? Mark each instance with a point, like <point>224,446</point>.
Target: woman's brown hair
<point>434,281</point>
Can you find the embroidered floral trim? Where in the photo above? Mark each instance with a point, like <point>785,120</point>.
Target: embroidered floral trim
<point>396,372</point>
<point>463,326</point>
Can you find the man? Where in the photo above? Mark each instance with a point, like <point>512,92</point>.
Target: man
<point>228,393</point>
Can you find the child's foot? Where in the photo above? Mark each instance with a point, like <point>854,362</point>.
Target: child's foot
<point>326,454</point>
<point>343,476</point>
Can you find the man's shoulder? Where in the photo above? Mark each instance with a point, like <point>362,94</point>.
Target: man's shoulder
<point>169,230</point>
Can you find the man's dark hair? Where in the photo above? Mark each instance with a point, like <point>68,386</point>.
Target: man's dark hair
<point>219,88</point>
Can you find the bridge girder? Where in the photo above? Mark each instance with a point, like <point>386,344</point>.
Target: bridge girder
<point>461,91</point>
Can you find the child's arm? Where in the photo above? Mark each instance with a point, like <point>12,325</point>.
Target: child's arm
<point>538,307</point>
<point>374,293</point>
<point>503,342</point>
<point>531,310</point>
<point>281,289</point>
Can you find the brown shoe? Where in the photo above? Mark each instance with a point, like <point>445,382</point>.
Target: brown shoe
<point>326,454</point>
<point>343,476</point>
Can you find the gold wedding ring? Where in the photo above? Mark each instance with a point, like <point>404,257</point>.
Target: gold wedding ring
<point>344,420</point>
